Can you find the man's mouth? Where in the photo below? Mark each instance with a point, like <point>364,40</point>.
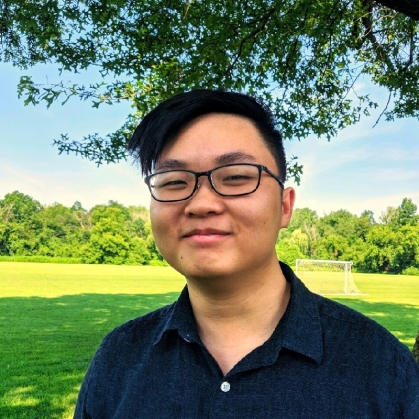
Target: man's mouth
<point>206,232</point>
<point>206,236</point>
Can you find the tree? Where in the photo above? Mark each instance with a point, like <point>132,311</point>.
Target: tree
<point>302,218</point>
<point>139,217</point>
<point>407,213</point>
<point>408,7</point>
<point>19,207</point>
<point>392,250</point>
<point>17,228</point>
<point>288,252</point>
<point>332,247</point>
<point>302,231</point>
<point>363,224</point>
<point>407,255</point>
<point>109,240</point>
<point>117,236</point>
<point>303,58</point>
<point>404,214</point>
<point>341,223</point>
<point>58,232</point>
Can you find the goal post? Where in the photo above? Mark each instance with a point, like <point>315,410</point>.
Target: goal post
<point>327,277</point>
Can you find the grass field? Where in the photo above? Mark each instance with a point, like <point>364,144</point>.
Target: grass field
<point>53,317</point>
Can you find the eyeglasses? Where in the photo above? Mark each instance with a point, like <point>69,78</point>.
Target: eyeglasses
<point>227,180</point>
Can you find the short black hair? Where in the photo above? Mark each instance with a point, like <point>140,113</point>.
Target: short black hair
<point>166,120</point>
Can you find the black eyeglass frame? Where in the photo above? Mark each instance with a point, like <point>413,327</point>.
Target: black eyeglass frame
<point>208,173</point>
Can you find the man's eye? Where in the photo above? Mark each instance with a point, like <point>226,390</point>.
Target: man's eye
<point>239,177</point>
<point>172,184</point>
<point>236,179</point>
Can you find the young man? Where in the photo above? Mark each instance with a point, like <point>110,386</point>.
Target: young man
<point>245,339</point>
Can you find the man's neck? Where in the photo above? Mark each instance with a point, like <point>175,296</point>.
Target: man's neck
<point>239,315</point>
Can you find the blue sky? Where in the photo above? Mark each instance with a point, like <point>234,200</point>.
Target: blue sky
<point>362,168</point>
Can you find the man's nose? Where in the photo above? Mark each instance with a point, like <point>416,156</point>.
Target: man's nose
<point>205,199</point>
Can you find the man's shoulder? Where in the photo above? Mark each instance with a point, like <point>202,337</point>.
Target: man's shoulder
<point>334,312</point>
<point>356,330</point>
<point>339,329</point>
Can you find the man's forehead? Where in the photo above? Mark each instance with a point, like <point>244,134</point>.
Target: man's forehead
<point>213,140</point>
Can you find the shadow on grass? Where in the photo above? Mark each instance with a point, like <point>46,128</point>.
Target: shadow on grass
<point>47,343</point>
<point>400,319</point>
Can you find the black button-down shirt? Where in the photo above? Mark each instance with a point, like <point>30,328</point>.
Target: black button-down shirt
<point>323,361</point>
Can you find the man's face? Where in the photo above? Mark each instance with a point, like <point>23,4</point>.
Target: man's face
<point>208,235</point>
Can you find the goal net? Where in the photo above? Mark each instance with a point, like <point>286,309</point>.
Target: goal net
<point>327,277</point>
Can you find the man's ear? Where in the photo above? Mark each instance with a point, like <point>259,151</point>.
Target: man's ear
<point>288,199</point>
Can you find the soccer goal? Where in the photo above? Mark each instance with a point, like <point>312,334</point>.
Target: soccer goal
<point>327,277</point>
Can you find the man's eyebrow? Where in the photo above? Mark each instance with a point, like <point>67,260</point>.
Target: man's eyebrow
<point>227,158</point>
<point>171,164</point>
<point>235,157</point>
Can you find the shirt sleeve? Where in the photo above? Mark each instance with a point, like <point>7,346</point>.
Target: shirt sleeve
<point>85,398</point>
<point>81,408</point>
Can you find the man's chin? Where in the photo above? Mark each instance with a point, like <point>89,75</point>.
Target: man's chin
<point>207,272</point>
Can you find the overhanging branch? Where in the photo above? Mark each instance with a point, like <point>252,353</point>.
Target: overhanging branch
<point>369,34</point>
<point>407,7</point>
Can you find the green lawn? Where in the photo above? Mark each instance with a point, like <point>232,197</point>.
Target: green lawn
<point>53,317</point>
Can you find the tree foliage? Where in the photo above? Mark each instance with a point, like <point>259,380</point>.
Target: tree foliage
<point>302,57</point>
<point>109,233</point>
<point>391,245</point>
<point>115,234</point>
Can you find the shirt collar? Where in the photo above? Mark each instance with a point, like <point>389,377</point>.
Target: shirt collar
<point>301,326</point>
<point>180,317</point>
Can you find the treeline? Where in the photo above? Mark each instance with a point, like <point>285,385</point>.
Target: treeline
<point>389,244</point>
<point>111,233</point>
<point>116,234</point>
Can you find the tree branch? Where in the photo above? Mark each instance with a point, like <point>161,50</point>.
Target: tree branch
<point>294,47</point>
<point>409,62</point>
<point>264,21</point>
<point>384,110</point>
<point>407,7</point>
<point>369,34</point>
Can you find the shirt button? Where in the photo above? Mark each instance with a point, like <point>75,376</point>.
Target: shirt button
<point>225,386</point>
